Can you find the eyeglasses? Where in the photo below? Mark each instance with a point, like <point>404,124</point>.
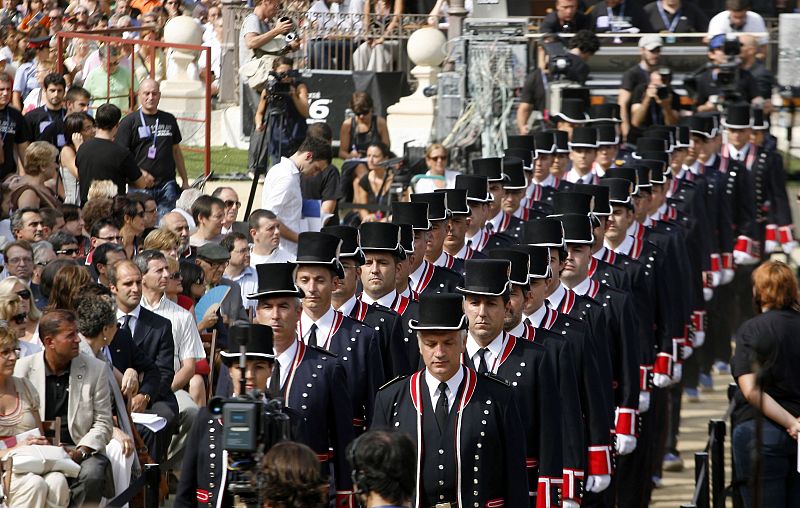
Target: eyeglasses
<point>362,113</point>
<point>24,294</point>
<point>6,353</point>
<point>19,318</point>
<point>176,276</point>
<point>110,238</point>
<point>438,157</point>
<point>19,260</point>
<point>231,203</point>
<point>67,252</point>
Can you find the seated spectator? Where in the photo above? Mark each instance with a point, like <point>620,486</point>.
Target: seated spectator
<point>183,205</point>
<point>10,313</point>
<point>66,287</point>
<point>653,103</point>
<point>30,190</point>
<point>102,230</point>
<point>383,464</point>
<point>102,189</point>
<point>213,258</point>
<point>14,286</point>
<point>239,269</point>
<point>26,225</point>
<point>77,391</point>
<point>149,61</point>
<point>676,16</point>
<point>737,17</point>
<point>193,281</point>
<point>174,288</point>
<point>375,187</point>
<point>208,213</point>
<point>362,129</point>
<point>176,223</point>
<point>74,63</point>
<point>130,214</point>
<point>43,254</point>
<point>35,16</point>
<point>566,18</point>
<point>436,159</point>
<point>174,8</point>
<point>64,245</point>
<point>110,83</point>
<point>11,128</point>
<point>103,257</point>
<point>215,48</point>
<point>22,415</point>
<point>378,54</point>
<point>73,221</point>
<point>266,234</point>
<point>150,208</point>
<point>618,16</point>
<point>78,127</point>
<point>163,240</point>
<point>19,260</point>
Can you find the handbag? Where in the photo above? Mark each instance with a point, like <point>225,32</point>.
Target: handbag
<point>43,459</point>
<point>256,72</point>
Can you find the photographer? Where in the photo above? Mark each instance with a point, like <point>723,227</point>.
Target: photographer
<point>724,78</point>
<point>285,98</point>
<point>383,468</point>
<point>534,92</point>
<point>653,103</point>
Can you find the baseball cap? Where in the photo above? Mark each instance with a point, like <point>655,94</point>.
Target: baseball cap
<point>651,42</point>
<point>717,41</point>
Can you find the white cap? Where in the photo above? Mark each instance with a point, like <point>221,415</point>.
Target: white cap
<point>651,42</point>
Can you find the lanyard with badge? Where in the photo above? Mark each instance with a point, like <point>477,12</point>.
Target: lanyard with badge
<point>44,124</point>
<point>144,133</point>
<point>671,26</point>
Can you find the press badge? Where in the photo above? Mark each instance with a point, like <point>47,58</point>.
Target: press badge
<point>151,152</point>
<point>43,125</point>
<point>60,141</point>
<point>144,131</point>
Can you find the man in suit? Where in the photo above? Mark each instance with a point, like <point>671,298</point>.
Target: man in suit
<point>153,335</point>
<point>466,427</point>
<point>75,388</point>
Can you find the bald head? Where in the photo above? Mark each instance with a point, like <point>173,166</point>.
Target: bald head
<point>176,223</point>
<point>149,96</point>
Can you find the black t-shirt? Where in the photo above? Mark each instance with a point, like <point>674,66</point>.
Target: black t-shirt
<point>628,10</point>
<point>708,86</point>
<point>634,77</point>
<point>11,130</point>
<point>323,186</point>
<point>551,24</point>
<point>42,124</point>
<point>771,340</point>
<point>533,91</point>
<point>655,115</point>
<point>140,142</point>
<point>690,18</point>
<point>101,159</point>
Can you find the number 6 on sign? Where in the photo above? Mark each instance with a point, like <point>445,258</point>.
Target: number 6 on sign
<point>318,109</point>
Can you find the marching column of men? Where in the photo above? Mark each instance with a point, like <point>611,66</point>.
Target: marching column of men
<point>533,328</point>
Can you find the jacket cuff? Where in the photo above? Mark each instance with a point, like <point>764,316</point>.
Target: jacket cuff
<point>627,421</point>
<point>699,320</point>
<point>663,364</point>
<point>645,378</point>
<point>599,461</point>
<point>548,492</point>
<point>716,262</point>
<point>345,499</point>
<point>785,234</point>
<point>771,241</point>
<point>727,260</point>
<point>572,485</point>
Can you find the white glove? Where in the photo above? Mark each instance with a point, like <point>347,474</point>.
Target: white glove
<point>597,483</point>
<point>699,339</point>
<point>570,504</point>
<point>708,294</point>
<point>686,351</point>
<point>644,402</point>
<point>727,276</point>
<point>716,278</point>
<point>625,444</point>
<point>677,373</point>
<point>788,247</point>
<point>743,258</point>
<point>662,380</point>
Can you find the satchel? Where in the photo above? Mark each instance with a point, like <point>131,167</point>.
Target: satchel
<point>256,72</point>
<point>43,459</point>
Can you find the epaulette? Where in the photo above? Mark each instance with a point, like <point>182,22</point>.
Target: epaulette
<point>322,350</point>
<point>497,379</point>
<point>393,381</point>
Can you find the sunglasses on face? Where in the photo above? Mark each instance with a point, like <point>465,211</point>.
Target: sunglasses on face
<point>24,294</point>
<point>438,158</point>
<point>19,318</point>
<point>230,203</point>
<point>67,252</point>
<point>176,276</point>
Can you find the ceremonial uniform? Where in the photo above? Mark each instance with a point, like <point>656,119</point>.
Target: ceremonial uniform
<point>388,327</point>
<point>429,278</point>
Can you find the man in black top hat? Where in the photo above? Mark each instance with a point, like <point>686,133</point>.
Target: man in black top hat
<point>439,219</point>
<point>309,379</point>
<point>571,115</point>
<point>561,161</point>
<point>466,427</point>
<point>514,187</point>
<point>608,142</point>
<point>497,220</point>
<point>478,198</point>
<point>455,241</point>
<point>318,273</point>
<point>425,277</point>
<point>583,150</point>
<point>387,324</point>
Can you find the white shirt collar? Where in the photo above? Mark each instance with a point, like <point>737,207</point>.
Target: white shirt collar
<point>601,252</point>
<point>519,330</point>
<point>557,296</point>
<point>285,360</point>
<point>291,164</point>
<point>574,177</point>
<point>624,247</point>
<point>497,221</point>
<point>549,181</point>
<point>442,259</point>
<point>583,287</point>
<point>495,350</point>
<point>154,307</point>
<point>537,316</point>
<point>324,325</point>
<point>386,300</point>
<point>452,386</point>
<point>406,292</point>
<point>711,160</point>
<point>682,173</point>
<point>417,275</point>
<point>738,155</point>
<point>462,254</point>
<point>347,307</point>
<point>632,228</point>
<point>135,313</point>
<point>247,272</point>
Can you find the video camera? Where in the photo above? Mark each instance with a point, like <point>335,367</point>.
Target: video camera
<point>558,61</point>
<point>727,73</point>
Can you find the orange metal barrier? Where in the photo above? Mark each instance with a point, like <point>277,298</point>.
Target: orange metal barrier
<point>61,37</point>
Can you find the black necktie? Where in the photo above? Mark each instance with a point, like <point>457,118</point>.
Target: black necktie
<point>126,323</point>
<point>441,407</point>
<point>482,367</point>
<point>312,335</point>
<point>275,380</point>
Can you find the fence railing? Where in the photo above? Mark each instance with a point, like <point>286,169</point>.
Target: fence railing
<point>709,470</point>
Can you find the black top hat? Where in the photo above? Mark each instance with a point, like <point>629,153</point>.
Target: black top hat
<point>577,228</point>
<point>319,249</point>
<point>702,125</point>
<point>655,168</point>
<point>538,260</point>
<point>490,167</point>
<point>437,204</point>
<point>607,135</point>
<point>456,201</point>
<point>682,136</point>
<point>512,168</point>
<point>572,111</point>
<point>620,191</point>
<point>606,112</point>
<point>642,180</point>
<point>662,157</point>
<point>520,263</point>
<point>650,145</point>
<point>580,93</point>
<point>415,214</point>
<point>381,236</point>
<point>737,116</point>
<point>561,139</point>
<point>571,202</point>
<point>665,134</point>
<point>440,312</point>
<point>477,187</point>
<point>626,172</point>
<point>350,242</point>
<point>521,153</point>
<point>759,120</point>
<point>407,237</point>
<point>545,141</point>
<point>600,205</point>
<point>256,338</point>
<point>583,137</point>
<point>524,142</point>
<point>276,280</point>
<point>546,232</point>
<point>489,277</point>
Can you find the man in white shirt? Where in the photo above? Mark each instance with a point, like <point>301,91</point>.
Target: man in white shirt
<point>239,269</point>
<point>282,193</point>
<point>266,234</point>
<point>738,18</point>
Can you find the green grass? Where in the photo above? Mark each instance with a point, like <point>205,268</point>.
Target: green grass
<point>224,161</point>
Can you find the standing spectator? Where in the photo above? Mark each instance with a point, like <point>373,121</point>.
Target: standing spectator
<point>110,82</point>
<point>325,185</point>
<point>282,192</point>
<point>232,206</point>
<point>208,213</point>
<point>650,51</point>
<point>292,477</point>
<point>103,257</point>
<point>26,225</point>
<point>266,234</point>
<point>74,387</point>
<point>130,214</point>
<point>100,158</point>
<point>709,95</point>
<point>617,16</point>
<point>154,139</point>
<point>737,17</point>
<point>11,130</point>
<point>239,269</point>
<point>52,112</point>
<point>79,127</point>
<point>676,16</point>
<point>37,50</point>
<point>566,18</point>
<point>19,260</point>
<point>653,103</point>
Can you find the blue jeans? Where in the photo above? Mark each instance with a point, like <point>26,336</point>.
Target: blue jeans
<point>780,482</point>
<point>165,197</point>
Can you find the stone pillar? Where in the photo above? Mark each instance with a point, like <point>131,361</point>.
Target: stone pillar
<point>229,79</point>
<point>455,19</point>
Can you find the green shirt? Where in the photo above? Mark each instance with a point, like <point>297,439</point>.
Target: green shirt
<point>99,84</point>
